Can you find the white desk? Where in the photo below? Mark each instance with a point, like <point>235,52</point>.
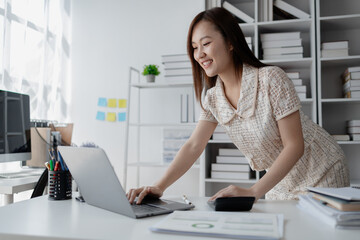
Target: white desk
<point>40,218</point>
<point>9,187</point>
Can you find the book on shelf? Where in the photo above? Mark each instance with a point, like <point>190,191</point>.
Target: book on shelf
<point>353,130</point>
<point>351,76</point>
<point>347,89</point>
<point>179,79</point>
<point>351,69</point>
<point>355,137</point>
<point>232,159</point>
<point>227,167</point>
<point>296,12</point>
<point>237,12</point>
<point>178,71</point>
<point>281,43</point>
<point>353,123</point>
<point>352,94</point>
<point>220,136</point>
<point>280,36</point>
<point>282,50</point>
<point>230,175</point>
<point>335,45</point>
<point>351,83</point>
<point>300,89</point>
<point>175,58</point>
<point>341,137</point>
<point>230,152</point>
<point>283,56</point>
<point>326,53</point>
<point>302,95</point>
<point>293,75</point>
<point>174,65</point>
<point>270,10</point>
<point>297,82</point>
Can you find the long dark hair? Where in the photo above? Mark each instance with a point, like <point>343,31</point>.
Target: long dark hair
<point>228,26</point>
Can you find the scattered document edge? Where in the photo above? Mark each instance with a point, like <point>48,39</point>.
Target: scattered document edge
<point>164,227</point>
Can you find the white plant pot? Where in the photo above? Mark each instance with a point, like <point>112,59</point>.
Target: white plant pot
<point>150,78</point>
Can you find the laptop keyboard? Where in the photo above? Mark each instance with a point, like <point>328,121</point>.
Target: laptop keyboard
<point>142,208</point>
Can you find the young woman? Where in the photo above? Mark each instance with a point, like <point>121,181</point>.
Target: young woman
<point>260,111</point>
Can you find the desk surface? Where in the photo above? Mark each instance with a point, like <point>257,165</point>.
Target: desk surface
<point>15,185</point>
<point>40,218</point>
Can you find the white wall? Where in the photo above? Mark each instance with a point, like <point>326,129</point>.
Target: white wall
<point>108,37</point>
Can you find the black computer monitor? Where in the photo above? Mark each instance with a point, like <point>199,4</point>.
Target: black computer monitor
<point>14,127</point>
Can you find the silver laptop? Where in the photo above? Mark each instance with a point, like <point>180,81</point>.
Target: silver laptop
<point>100,187</point>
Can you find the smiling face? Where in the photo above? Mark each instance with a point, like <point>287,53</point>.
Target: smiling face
<point>211,50</point>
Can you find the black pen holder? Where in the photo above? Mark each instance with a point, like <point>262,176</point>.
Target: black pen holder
<point>60,185</point>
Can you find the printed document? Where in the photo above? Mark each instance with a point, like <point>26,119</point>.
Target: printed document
<point>223,224</point>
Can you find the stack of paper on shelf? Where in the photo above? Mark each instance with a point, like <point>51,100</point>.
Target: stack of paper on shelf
<point>351,82</point>
<point>353,129</point>
<point>338,207</point>
<point>238,13</point>
<point>335,49</point>
<point>177,68</point>
<point>230,164</point>
<point>285,45</point>
<point>283,10</point>
<point>239,225</point>
<point>173,140</point>
<point>249,42</point>
<point>189,108</point>
<point>298,83</point>
<point>220,134</point>
<point>341,137</point>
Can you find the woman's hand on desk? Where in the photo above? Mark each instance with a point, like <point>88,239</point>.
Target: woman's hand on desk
<point>234,191</point>
<point>141,192</point>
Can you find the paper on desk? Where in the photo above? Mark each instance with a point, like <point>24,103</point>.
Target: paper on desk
<point>223,224</point>
<point>346,193</point>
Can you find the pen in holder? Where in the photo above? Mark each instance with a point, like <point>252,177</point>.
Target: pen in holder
<point>60,185</point>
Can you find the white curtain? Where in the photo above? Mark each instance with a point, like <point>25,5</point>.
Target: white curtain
<point>35,46</point>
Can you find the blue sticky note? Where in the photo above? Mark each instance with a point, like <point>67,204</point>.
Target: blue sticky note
<point>102,102</point>
<point>100,116</point>
<point>122,117</point>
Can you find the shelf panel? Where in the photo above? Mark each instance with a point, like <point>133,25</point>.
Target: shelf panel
<point>220,141</point>
<point>302,25</point>
<point>340,100</point>
<point>162,124</point>
<point>348,142</point>
<point>339,22</point>
<point>284,63</point>
<point>155,164</point>
<point>162,85</point>
<point>229,180</point>
<point>347,61</point>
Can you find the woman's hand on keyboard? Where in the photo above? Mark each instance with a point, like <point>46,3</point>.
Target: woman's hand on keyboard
<point>141,192</point>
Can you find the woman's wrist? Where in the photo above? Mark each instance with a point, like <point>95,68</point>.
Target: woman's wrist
<point>254,191</point>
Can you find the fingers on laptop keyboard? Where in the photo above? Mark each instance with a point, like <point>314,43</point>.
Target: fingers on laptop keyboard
<point>133,193</point>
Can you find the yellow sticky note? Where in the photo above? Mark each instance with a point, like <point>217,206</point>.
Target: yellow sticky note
<point>111,117</point>
<point>112,102</point>
<point>122,103</point>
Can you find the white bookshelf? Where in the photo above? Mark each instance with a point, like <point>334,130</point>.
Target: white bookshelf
<point>306,66</point>
<point>338,21</point>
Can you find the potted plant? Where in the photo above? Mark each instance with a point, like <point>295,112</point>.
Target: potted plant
<point>150,71</point>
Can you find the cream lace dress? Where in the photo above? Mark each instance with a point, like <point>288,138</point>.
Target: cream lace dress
<point>267,95</point>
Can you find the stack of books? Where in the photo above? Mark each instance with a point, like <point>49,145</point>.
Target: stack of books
<point>173,140</point>
<point>220,134</point>
<point>298,83</point>
<point>341,137</point>
<point>230,164</point>
<point>334,49</point>
<point>351,82</point>
<point>284,45</point>
<point>353,129</point>
<point>338,207</point>
<point>177,68</point>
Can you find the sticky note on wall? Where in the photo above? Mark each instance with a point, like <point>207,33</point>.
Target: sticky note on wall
<point>122,103</point>
<point>112,102</point>
<point>100,116</point>
<point>102,102</point>
<point>122,117</point>
<point>111,117</point>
